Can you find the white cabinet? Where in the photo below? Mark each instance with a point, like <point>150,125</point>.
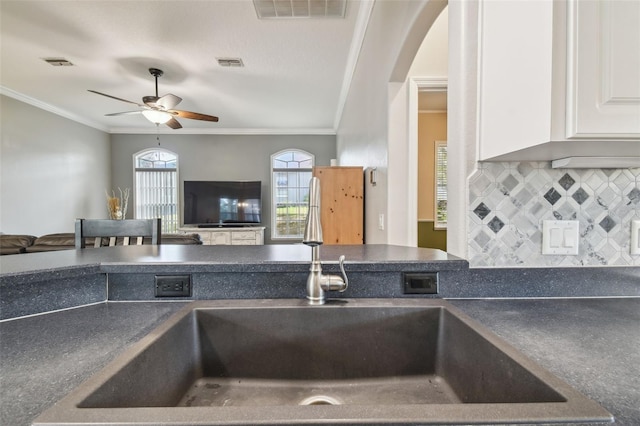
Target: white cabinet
<point>246,238</point>
<point>604,69</point>
<point>221,238</point>
<point>558,79</point>
<point>252,236</point>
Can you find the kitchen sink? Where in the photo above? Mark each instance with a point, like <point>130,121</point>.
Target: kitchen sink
<point>351,361</point>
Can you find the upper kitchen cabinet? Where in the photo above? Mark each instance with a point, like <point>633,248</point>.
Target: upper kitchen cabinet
<point>558,79</point>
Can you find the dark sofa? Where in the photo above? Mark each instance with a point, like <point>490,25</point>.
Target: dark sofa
<point>16,244</point>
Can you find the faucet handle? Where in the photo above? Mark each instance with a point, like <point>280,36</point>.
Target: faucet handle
<point>335,282</point>
<point>344,274</point>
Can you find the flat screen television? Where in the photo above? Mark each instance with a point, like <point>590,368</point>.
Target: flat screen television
<point>222,203</point>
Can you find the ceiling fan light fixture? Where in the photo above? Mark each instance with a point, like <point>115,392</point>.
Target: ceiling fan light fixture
<point>157,117</point>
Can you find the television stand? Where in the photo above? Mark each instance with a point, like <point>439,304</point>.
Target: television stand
<point>229,236</point>
<point>224,225</point>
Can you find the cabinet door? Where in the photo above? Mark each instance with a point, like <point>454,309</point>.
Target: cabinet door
<point>243,238</point>
<point>341,204</point>
<point>221,238</point>
<point>205,237</point>
<point>604,69</point>
<point>515,83</point>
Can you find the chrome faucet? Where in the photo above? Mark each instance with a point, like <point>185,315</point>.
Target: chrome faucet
<point>317,283</point>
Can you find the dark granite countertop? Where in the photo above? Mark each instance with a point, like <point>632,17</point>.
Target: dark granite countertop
<point>264,258</point>
<point>590,343</point>
<point>44,357</point>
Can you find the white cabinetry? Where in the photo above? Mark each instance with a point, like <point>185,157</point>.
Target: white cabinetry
<point>558,79</point>
<point>252,236</point>
<point>604,69</point>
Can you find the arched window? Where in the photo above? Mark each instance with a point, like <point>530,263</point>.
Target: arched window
<point>290,175</point>
<point>156,187</point>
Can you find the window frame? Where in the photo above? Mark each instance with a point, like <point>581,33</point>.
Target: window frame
<point>438,165</point>
<point>167,226</point>
<point>274,190</point>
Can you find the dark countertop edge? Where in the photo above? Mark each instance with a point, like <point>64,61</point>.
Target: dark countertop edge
<point>51,273</point>
<point>287,266</point>
<point>204,267</point>
<point>299,266</point>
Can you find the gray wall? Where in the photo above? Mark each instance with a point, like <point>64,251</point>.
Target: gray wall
<point>218,157</point>
<point>52,170</point>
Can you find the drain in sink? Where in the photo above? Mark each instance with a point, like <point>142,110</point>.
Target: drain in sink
<point>320,400</point>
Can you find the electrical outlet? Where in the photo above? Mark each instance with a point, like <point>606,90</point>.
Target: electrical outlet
<point>635,237</point>
<point>173,285</point>
<point>560,237</point>
<point>381,221</point>
<point>420,282</point>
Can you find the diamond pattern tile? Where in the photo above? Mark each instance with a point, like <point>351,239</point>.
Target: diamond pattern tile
<point>495,224</point>
<point>607,223</point>
<point>482,210</point>
<point>566,181</point>
<point>482,239</point>
<point>566,211</point>
<point>510,182</point>
<point>580,196</point>
<point>634,196</point>
<point>552,196</point>
<point>522,195</point>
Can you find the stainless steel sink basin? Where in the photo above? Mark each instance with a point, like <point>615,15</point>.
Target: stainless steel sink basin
<point>363,361</point>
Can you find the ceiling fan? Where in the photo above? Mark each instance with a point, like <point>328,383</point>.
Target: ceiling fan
<point>160,110</point>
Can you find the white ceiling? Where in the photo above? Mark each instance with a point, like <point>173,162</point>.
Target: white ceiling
<point>295,75</point>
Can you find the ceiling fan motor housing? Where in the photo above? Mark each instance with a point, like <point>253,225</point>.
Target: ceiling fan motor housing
<point>156,72</point>
<point>150,100</point>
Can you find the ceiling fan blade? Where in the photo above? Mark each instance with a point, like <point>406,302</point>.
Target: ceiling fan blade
<point>193,115</point>
<point>174,124</point>
<point>124,113</point>
<point>113,97</point>
<point>168,101</point>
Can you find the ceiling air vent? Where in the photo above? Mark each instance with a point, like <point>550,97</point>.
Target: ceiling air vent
<point>230,62</point>
<point>58,62</point>
<point>284,9</point>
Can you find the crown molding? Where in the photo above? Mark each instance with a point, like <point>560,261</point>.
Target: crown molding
<point>362,22</point>
<point>431,84</point>
<point>163,130</point>
<point>50,108</point>
<point>222,131</point>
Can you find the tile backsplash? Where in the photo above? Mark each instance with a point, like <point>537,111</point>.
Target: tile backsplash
<point>509,201</point>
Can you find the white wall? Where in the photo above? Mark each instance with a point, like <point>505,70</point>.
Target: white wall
<point>53,170</point>
<point>432,59</point>
<point>372,131</point>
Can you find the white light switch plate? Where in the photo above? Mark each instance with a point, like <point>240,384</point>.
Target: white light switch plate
<point>635,237</point>
<point>560,237</point>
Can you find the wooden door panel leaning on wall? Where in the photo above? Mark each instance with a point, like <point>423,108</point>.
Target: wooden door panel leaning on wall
<point>341,204</point>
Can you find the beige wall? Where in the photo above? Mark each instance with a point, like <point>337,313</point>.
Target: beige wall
<point>432,127</point>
